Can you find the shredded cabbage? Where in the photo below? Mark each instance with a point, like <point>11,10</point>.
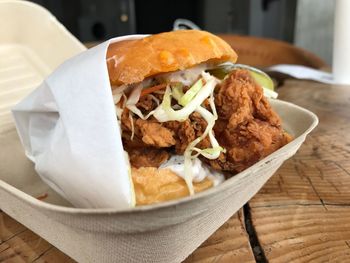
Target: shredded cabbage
<point>177,91</point>
<point>117,92</point>
<point>132,126</point>
<point>117,95</point>
<point>192,101</point>
<point>214,152</point>
<point>164,112</point>
<point>210,153</point>
<point>270,93</point>
<point>133,100</point>
<point>189,95</point>
<point>118,112</point>
<point>154,99</point>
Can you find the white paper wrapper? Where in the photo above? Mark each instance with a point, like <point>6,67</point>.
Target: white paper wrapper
<point>69,129</point>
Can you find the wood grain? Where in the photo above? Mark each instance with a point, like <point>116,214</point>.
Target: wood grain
<point>302,233</point>
<point>19,244</point>
<point>23,247</point>
<point>53,255</point>
<point>228,244</point>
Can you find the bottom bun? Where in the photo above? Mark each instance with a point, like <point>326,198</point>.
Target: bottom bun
<point>154,185</point>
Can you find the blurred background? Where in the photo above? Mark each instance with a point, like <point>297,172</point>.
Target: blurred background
<point>305,23</point>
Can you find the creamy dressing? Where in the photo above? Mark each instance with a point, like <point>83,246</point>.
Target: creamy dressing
<point>199,170</point>
<point>186,77</point>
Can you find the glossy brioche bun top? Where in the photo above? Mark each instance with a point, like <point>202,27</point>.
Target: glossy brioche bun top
<point>132,61</point>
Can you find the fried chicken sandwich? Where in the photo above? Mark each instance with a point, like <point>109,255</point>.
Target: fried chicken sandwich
<point>189,116</point>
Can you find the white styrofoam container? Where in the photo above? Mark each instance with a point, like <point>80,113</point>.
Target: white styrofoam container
<point>33,44</point>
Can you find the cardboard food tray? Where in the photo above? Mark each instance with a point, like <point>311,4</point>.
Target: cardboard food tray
<point>30,48</point>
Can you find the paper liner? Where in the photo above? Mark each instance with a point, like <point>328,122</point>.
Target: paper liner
<point>69,129</point>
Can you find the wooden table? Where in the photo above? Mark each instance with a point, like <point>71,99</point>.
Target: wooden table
<point>301,215</point>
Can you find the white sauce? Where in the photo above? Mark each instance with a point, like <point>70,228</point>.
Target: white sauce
<point>186,77</point>
<point>199,170</point>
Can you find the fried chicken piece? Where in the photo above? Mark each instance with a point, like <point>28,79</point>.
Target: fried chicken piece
<point>154,134</point>
<point>146,104</point>
<point>240,99</point>
<point>184,134</point>
<point>247,127</point>
<point>187,131</point>
<point>147,157</point>
<point>146,132</point>
<point>199,124</point>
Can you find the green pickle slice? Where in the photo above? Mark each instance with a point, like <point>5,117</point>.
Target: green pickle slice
<point>259,76</point>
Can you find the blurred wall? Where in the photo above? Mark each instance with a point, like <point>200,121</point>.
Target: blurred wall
<point>262,18</point>
<point>314,27</point>
<point>96,20</point>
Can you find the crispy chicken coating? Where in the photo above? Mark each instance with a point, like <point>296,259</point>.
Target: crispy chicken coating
<point>247,128</point>
<point>147,157</point>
